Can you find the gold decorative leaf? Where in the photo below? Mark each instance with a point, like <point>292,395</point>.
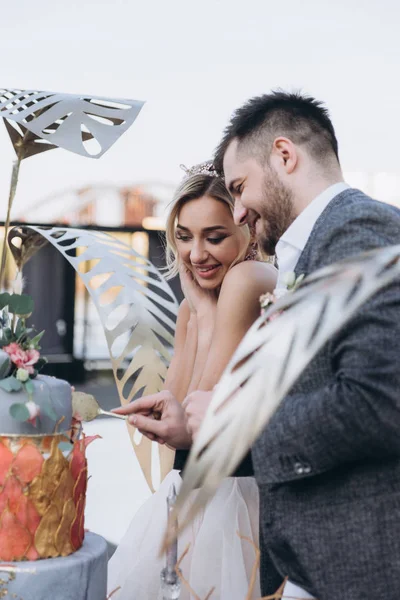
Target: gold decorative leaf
<point>46,533</point>
<point>39,495</point>
<point>53,468</point>
<point>65,489</point>
<point>63,537</point>
<point>42,488</point>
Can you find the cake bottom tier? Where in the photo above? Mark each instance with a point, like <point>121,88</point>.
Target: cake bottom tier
<point>79,576</point>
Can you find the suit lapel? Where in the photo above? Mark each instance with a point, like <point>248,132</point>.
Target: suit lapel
<point>302,264</point>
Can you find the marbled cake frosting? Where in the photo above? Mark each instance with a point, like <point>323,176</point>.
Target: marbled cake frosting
<point>55,392</point>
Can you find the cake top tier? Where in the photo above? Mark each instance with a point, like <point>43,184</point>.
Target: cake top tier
<point>47,392</point>
<point>29,403</point>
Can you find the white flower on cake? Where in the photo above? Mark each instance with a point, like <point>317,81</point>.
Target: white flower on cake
<point>34,411</point>
<point>22,375</point>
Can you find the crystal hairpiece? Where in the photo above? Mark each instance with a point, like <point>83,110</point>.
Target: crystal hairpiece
<point>205,168</point>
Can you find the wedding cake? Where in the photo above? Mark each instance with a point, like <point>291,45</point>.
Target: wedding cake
<point>43,475</point>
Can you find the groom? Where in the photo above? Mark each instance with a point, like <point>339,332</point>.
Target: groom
<point>328,463</point>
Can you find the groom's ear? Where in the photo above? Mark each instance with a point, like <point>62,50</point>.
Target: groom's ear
<point>284,155</point>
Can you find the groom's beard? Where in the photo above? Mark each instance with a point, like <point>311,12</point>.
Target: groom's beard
<point>276,212</point>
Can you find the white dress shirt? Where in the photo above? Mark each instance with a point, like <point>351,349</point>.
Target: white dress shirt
<point>293,241</point>
<point>288,251</point>
<point>293,592</point>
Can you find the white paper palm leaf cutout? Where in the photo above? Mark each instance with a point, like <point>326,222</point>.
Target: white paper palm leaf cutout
<point>136,306</point>
<point>68,121</point>
<point>39,121</point>
<point>269,360</point>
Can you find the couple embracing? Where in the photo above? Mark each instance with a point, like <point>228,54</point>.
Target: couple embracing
<point>320,492</point>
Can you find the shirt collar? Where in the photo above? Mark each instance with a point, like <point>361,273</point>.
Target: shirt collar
<point>299,231</point>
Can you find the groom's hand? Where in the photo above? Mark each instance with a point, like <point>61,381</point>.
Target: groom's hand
<point>159,417</point>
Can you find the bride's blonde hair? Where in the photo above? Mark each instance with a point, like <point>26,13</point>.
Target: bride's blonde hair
<point>192,188</point>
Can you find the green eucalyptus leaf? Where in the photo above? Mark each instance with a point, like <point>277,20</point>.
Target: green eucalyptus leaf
<point>19,412</point>
<point>10,384</point>
<point>4,299</point>
<point>20,328</point>
<point>21,305</point>
<point>8,335</point>
<point>35,340</point>
<point>24,335</point>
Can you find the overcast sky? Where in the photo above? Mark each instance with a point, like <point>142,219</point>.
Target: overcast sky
<point>193,63</point>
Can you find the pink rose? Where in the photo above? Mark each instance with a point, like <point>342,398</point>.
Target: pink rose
<point>12,348</point>
<point>32,356</point>
<point>22,359</point>
<point>16,354</point>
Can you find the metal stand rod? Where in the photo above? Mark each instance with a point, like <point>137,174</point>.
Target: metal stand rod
<point>170,581</point>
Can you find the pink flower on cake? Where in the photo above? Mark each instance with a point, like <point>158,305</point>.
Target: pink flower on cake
<point>22,359</point>
<point>12,348</point>
<point>16,354</point>
<point>32,356</point>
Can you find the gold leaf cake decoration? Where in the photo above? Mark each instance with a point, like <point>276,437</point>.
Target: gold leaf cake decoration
<point>42,499</point>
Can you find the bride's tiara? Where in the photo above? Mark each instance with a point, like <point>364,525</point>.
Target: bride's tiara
<point>205,168</point>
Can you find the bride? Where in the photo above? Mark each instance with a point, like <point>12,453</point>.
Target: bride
<point>222,279</point>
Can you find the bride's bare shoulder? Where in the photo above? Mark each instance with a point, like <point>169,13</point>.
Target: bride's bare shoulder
<point>239,298</point>
<point>251,274</point>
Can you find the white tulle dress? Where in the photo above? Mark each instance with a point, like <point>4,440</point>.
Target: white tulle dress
<point>217,557</point>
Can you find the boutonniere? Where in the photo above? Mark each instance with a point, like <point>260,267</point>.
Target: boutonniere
<point>291,283</point>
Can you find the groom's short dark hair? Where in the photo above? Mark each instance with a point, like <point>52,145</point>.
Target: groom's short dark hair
<point>301,118</point>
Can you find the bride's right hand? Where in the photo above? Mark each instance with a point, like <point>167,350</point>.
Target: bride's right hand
<point>200,301</point>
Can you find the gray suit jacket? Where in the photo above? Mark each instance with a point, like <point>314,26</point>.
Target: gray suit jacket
<point>328,463</point>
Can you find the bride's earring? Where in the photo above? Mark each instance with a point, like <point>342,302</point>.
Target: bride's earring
<point>252,250</point>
